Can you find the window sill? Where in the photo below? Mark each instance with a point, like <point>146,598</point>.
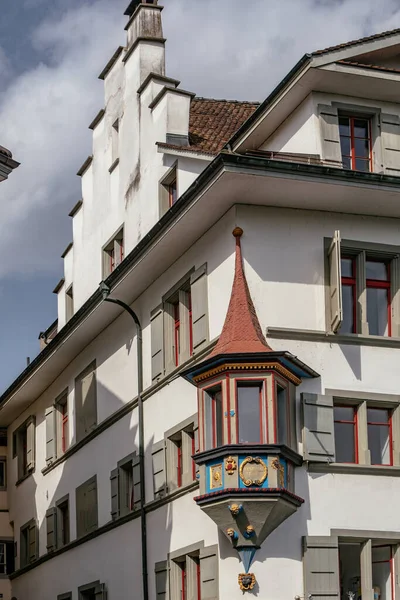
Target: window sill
<point>350,469</point>
<point>22,479</point>
<point>311,335</point>
<point>114,165</point>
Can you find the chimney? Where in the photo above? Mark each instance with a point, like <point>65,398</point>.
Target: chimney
<point>144,29</point>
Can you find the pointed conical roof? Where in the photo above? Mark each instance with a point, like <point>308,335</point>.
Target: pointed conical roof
<point>241,332</point>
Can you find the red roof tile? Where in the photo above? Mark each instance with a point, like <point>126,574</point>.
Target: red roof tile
<point>370,38</point>
<point>353,63</point>
<point>213,122</point>
<point>241,331</point>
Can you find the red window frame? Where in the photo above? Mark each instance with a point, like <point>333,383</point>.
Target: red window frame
<point>352,137</point>
<point>278,382</point>
<point>391,565</point>
<point>193,453</point>
<point>190,323</point>
<point>183,580</point>
<point>198,580</point>
<point>177,328</point>
<point>112,259</point>
<point>172,193</point>
<point>211,391</point>
<point>352,281</point>
<point>383,284</point>
<point>250,383</point>
<point>179,462</point>
<point>64,426</point>
<point>353,422</point>
<point>380,424</point>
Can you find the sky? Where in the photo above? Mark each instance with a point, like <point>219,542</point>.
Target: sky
<point>51,53</point>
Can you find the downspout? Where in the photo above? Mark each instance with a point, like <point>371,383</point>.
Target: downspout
<point>105,290</point>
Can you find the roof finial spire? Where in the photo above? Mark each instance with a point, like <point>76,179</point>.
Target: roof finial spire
<point>241,332</point>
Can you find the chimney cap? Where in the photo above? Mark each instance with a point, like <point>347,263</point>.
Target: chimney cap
<point>135,3</point>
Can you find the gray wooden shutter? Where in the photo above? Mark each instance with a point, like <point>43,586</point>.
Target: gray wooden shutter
<point>91,505</point>
<point>32,541</point>
<point>86,402</point>
<point>114,494</point>
<point>335,283</point>
<point>159,476</point>
<point>50,434</point>
<point>330,139</point>
<point>390,134</point>
<point>136,481</point>
<point>198,285</point>
<point>80,511</point>
<point>161,574</point>
<point>318,428</point>
<point>100,592</point>
<point>169,336</point>
<point>51,529</point>
<point>209,573</point>
<point>157,343</point>
<point>321,567</point>
<point>395,295</point>
<point>30,444</point>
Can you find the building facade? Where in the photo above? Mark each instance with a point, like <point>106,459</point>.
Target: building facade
<point>232,423</point>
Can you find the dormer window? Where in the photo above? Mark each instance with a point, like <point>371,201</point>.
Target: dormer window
<point>168,189</point>
<point>113,253</point>
<point>355,142</point>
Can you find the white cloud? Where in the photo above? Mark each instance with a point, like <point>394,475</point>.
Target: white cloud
<point>225,48</point>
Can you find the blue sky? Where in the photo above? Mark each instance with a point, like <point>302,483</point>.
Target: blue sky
<point>51,52</point>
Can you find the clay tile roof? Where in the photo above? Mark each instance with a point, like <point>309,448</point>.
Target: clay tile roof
<point>370,38</point>
<point>353,63</point>
<point>241,332</point>
<point>5,152</point>
<point>213,122</point>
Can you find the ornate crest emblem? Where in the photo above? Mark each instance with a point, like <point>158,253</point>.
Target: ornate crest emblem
<point>253,471</point>
<point>230,465</point>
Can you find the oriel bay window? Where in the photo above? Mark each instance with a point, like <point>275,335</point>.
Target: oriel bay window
<point>364,281</point>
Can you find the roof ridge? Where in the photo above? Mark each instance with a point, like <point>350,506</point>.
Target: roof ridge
<point>226,100</point>
<point>356,42</point>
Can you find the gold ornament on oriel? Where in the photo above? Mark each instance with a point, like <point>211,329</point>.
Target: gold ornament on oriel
<point>230,465</point>
<point>247,581</point>
<point>216,476</point>
<point>276,464</point>
<point>253,471</point>
<point>235,509</point>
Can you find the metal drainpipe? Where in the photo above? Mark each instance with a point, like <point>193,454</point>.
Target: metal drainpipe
<point>105,291</point>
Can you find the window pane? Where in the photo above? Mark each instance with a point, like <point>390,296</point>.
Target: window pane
<point>361,148</point>
<point>375,270</point>
<point>348,320</point>
<point>345,442</point>
<point>379,444</point>
<point>350,570</point>
<point>347,267</point>
<point>361,128</point>
<point>362,165</point>
<point>282,425</point>
<point>343,413</point>
<point>208,438</point>
<point>344,126</point>
<point>381,573</point>
<point>219,422</point>
<point>346,162</point>
<point>378,415</point>
<point>249,414</point>
<point>377,311</point>
<point>345,146</point>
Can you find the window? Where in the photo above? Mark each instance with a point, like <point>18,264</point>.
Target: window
<point>213,418</point>
<point>192,573</point>
<point>57,428</point>
<point>25,448</point>
<point>6,557</point>
<point>282,415</point>
<point>352,564</point>
<point>249,402</point>
<point>29,550</point>
<point>380,436</point>
<point>125,486</point>
<point>179,325</point>
<point>363,288</point>
<point>63,522</point>
<point>355,142</point>
<point>86,507</point>
<point>92,591</point>
<point>3,473</point>
<point>168,190</point>
<point>69,303</point>
<point>113,253</point>
<point>345,433</point>
<point>180,447</point>
<point>86,402</point>
<point>383,571</point>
